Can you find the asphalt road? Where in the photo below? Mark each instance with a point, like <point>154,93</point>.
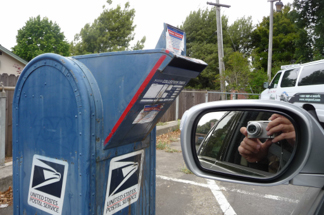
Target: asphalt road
<point>181,193</point>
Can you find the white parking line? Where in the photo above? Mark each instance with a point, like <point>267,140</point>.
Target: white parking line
<point>221,199</point>
<point>266,196</point>
<point>182,181</point>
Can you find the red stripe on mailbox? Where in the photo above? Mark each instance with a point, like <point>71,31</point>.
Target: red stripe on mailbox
<point>136,96</point>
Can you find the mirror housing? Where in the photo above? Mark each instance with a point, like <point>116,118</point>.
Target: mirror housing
<point>265,85</point>
<point>305,167</point>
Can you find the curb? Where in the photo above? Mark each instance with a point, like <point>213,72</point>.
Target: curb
<point>170,126</point>
<point>6,176</point>
<point>6,170</point>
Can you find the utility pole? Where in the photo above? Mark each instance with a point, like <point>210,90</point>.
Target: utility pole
<point>270,43</point>
<point>220,45</point>
<point>279,6</point>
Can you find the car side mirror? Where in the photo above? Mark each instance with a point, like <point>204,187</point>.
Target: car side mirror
<point>238,142</point>
<point>265,85</point>
<point>253,142</point>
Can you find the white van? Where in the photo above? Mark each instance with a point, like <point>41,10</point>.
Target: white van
<point>300,84</point>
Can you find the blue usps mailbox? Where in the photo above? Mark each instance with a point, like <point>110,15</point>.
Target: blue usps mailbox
<point>84,130</point>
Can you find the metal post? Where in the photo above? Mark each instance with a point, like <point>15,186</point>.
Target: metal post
<point>279,6</point>
<point>206,97</point>
<point>177,108</point>
<point>220,49</point>
<point>270,42</point>
<point>3,98</point>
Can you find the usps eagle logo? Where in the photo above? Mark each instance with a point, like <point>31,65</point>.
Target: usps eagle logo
<point>47,184</point>
<point>124,181</point>
<point>47,177</point>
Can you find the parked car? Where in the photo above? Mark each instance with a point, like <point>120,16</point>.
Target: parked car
<point>299,84</point>
<point>293,160</point>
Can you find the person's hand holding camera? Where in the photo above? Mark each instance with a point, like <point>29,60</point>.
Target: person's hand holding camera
<point>252,149</point>
<point>278,128</point>
<point>282,127</point>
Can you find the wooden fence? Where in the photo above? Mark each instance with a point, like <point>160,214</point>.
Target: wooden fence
<point>8,81</point>
<point>187,99</point>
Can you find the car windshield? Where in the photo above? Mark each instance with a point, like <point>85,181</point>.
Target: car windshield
<point>289,78</point>
<point>275,81</point>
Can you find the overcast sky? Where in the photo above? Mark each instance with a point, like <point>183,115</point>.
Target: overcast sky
<point>72,15</point>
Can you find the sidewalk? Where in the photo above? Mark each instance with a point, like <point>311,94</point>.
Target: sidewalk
<point>6,171</point>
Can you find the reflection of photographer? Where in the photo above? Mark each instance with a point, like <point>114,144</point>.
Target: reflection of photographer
<point>278,128</point>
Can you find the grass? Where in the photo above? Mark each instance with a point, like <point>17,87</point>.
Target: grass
<point>161,123</point>
<point>163,141</point>
<point>178,126</point>
<point>185,170</point>
<point>173,139</point>
<point>165,146</point>
<point>161,145</point>
<point>171,150</point>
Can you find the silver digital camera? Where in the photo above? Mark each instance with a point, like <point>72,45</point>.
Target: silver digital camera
<point>257,129</point>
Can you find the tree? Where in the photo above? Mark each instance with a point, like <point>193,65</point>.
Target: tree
<point>256,80</point>
<point>286,37</point>
<point>310,16</point>
<point>139,44</point>
<point>201,37</point>
<point>208,53</point>
<point>111,31</point>
<point>240,33</point>
<point>237,72</point>
<point>200,28</point>
<point>40,36</point>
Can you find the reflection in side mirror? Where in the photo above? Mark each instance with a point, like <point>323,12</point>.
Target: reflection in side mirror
<point>250,143</point>
<point>265,85</point>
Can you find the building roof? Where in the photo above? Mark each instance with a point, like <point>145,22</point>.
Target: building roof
<point>3,49</point>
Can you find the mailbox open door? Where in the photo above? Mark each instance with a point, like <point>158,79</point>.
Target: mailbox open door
<point>84,130</point>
